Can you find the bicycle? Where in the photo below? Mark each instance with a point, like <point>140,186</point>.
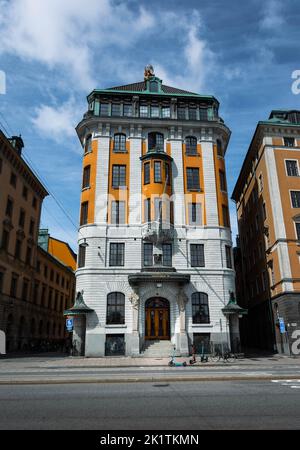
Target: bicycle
<point>225,356</point>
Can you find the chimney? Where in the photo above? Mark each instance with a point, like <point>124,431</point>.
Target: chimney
<point>17,143</point>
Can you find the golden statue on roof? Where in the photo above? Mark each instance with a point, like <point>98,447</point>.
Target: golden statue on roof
<point>149,72</point>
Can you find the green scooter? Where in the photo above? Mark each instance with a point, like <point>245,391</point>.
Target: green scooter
<point>173,363</point>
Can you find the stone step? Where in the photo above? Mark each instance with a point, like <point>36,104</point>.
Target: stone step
<point>158,349</point>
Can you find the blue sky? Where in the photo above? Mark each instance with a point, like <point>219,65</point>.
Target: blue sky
<point>55,52</point>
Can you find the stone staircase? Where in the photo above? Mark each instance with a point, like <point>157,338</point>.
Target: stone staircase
<point>158,349</point>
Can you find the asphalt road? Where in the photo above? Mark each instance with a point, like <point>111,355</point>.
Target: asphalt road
<point>152,406</point>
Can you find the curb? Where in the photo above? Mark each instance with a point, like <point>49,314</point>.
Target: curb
<point>148,380</point>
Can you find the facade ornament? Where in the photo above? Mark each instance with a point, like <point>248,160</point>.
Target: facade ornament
<point>149,72</point>
<point>134,300</point>
<point>182,299</point>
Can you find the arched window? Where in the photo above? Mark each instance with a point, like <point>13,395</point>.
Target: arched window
<point>191,145</point>
<point>200,307</point>
<point>155,141</point>
<point>88,144</point>
<point>120,142</point>
<point>115,308</point>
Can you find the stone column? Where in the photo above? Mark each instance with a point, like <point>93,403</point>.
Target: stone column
<point>182,300</point>
<point>135,336</point>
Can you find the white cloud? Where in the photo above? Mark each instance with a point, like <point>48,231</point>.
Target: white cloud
<point>272,15</point>
<point>68,34</point>
<point>56,122</point>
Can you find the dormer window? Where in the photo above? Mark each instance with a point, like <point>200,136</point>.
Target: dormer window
<point>153,86</point>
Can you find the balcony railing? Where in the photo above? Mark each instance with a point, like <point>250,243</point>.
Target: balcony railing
<point>158,231</point>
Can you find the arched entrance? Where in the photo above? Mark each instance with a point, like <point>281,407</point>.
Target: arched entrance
<point>157,318</point>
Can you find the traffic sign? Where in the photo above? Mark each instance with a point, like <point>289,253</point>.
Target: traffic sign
<point>281,325</point>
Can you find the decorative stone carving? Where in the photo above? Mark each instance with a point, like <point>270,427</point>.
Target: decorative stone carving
<point>182,300</point>
<point>134,300</point>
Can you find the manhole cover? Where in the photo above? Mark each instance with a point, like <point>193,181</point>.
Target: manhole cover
<point>161,385</point>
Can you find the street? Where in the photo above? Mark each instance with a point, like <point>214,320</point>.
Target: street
<point>152,406</point>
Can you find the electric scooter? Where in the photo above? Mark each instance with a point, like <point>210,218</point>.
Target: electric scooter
<point>173,363</point>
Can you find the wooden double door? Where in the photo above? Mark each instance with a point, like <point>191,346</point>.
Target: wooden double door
<point>157,323</point>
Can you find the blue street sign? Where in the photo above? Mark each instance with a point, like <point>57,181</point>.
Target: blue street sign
<point>69,324</point>
<point>281,325</point>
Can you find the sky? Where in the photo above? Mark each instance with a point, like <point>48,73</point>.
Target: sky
<point>53,53</point>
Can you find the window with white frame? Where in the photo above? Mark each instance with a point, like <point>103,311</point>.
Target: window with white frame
<point>295,198</point>
<point>292,168</point>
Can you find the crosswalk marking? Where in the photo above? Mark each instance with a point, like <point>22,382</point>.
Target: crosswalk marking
<point>290,383</point>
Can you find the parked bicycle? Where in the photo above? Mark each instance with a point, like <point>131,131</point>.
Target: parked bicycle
<point>225,356</point>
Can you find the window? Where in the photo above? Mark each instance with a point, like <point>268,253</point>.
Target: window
<point>228,257</point>
<point>1,163</point>
<point>200,309</point>
<point>167,254</point>
<point>143,111</point>
<point>147,173</point>
<point>155,111</point>
<point>157,172</point>
<point>167,173</point>
<point>5,240</point>
<point>84,213</point>
<point>28,255</point>
<point>31,227</point>
<point>14,285</point>
<point>193,180</point>
<point>295,197</point>
<point>118,212</point>
<point>203,114</point>
<point>34,202</point>
<point>86,177</point>
<point>155,141</point>
<point>148,254</point>
<point>292,168</point>
<point>288,141</point>
<point>9,207</point>
<point>192,113</point>
<point>120,142</point>
<point>13,179</point>
<point>165,112</point>
<point>118,176</point>
<point>195,214</point>
<point>116,254</point>
<point>297,225</point>
<point>115,109</point>
<point>127,110</point>
<point>181,113</point>
<point>104,109</point>
<point>197,255</point>
<point>1,281</point>
<point>158,209</point>
<point>18,248</point>
<point>219,148</point>
<point>264,211</point>
<point>22,218</point>
<point>260,183</point>
<point>88,144</point>
<point>153,86</point>
<point>147,210</point>
<point>191,145</point>
<point>25,192</point>
<point>222,181</point>
<point>81,256</point>
<point>115,308</point>
<point>225,214</point>
<point>45,271</point>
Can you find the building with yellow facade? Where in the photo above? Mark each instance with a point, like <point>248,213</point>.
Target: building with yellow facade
<point>155,260</point>
<point>267,196</point>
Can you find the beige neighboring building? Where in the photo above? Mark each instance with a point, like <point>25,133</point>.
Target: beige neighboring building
<point>28,313</point>
<point>267,196</point>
